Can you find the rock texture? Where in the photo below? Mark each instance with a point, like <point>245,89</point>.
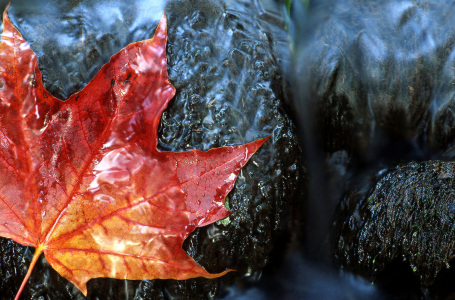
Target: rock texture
<point>406,216</point>
<point>224,62</point>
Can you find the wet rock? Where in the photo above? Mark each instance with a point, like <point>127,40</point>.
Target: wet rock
<point>379,77</point>
<point>375,81</point>
<point>223,61</point>
<point>402,219</point>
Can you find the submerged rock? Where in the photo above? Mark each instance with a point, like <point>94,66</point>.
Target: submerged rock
<point>223,61</point>
<point>378,77</point>
<point>375,86</point>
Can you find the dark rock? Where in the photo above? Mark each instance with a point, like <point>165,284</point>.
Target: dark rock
<point>375,81</point>
<point>223,61</point>
<point>403,222</point>
<point>378,77</point>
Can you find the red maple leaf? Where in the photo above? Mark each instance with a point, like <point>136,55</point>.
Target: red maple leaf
<point>82,180</point>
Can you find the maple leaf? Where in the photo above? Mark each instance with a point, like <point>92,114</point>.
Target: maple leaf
<point>82,181</point>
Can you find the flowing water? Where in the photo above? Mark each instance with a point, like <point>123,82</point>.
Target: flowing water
<point>224,58</point>
<point>373,87</point>
<point>359,98</point>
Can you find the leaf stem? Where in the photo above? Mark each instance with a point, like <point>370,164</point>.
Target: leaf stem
<point>37,254</point>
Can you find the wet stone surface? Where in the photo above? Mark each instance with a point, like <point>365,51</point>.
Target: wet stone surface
<point>376,90</point>
<point>404,221</point>
<point>380,77</point>
<point>223,61</point>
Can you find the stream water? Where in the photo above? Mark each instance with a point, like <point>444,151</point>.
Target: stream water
<point>373,91</point>
<point>224,59</point>
<point>354,93</point>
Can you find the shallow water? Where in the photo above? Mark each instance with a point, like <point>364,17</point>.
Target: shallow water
<point>225,61</point>
<point>374,94</point>
<point>368,85</point>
